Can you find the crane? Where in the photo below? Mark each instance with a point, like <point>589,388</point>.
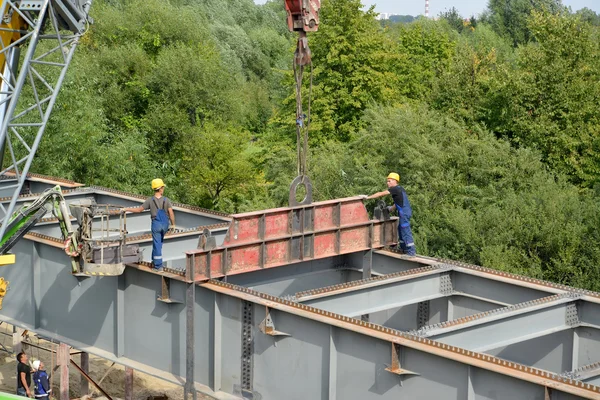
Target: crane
<point>37,42</point>
<point>38,39</point>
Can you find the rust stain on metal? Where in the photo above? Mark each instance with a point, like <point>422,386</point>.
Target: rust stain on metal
<point>140,197</point>
<point>34,195</point>
<point>135,238</point>
<point>11,174</point>
<point>485,361</point>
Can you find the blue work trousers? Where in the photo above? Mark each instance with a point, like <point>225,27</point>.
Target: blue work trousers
<point>160,226</point>
<point>405,237</point>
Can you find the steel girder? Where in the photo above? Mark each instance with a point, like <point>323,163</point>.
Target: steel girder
<point>153,323</point>
<point>281,236</point>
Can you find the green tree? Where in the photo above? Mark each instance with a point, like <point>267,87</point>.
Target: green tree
<point>454,19</point>
<point>422,54</point>
<point>217,171</point>
<point>480,200</point>
<point>509,17</point>
<point>589,16</point>
<point>352,60</point>
<point>471,88</point>
<point>551,100</point>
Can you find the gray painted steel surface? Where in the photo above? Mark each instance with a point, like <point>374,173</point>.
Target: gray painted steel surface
<point>531,331</point>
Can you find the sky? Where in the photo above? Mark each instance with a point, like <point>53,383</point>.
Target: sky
<point>465,7</point>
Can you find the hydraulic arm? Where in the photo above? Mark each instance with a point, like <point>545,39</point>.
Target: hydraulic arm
<point>22,220</point>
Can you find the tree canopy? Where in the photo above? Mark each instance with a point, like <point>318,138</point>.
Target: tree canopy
<point>492,122</point>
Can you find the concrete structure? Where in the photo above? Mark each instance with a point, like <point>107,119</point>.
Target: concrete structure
<point>307,303</point>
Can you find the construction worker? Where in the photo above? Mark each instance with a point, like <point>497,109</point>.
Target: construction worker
<point>159,206</point>
<point>405,239</point>
<point>40,381</point>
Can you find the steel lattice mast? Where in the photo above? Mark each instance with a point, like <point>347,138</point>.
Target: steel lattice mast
<point>47,33</point>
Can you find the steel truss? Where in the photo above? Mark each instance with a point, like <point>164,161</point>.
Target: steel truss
<point>27,98</point>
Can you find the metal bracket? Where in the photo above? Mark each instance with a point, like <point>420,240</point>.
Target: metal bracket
<point>381,211</point>
<point>247,375</point>
<point>395,367</point>
<point>446,284</point>
<point>206,241</point>
<point>268,327</point>
<point>571,314</point>
<point>422,314</point>
<point>165,295</point>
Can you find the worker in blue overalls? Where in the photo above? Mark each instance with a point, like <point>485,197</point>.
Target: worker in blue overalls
<point>405,239</point>
<point>161,211</point>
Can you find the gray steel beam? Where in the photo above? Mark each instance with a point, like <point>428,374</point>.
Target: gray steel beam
<point>333,367</point>
<point>190,345</point>
<point>587,350</point>
<point>361,356</point>
<point>504,326</point>
<point>551,352</point>
<point>490,288</point>
<point>120,316</point>
<point>291,279</point>
<point>365,300</point>
<point>185,218</point>
<point>385,262</point>
<point>217,344</point>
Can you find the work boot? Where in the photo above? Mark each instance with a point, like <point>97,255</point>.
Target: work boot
<point>155,269</point>
<point>398,248</point>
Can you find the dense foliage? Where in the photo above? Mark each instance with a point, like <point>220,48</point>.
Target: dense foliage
<point>492,122</point>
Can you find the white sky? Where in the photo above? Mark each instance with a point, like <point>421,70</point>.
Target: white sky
<point>465,7</point>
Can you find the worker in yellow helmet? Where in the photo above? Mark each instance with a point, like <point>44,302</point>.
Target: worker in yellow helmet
<point>405,238</point>
<point>159,206</point>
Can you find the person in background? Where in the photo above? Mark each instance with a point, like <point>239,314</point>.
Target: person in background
<point>41,382</point>
<point>23,376</point>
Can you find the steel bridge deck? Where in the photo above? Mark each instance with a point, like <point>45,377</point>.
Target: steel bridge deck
<point>306,303</point>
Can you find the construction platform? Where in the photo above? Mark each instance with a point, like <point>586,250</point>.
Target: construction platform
<point>306,302</point>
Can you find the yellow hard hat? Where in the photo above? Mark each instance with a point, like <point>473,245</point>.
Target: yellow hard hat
<point>394,176</point>
<point>157,183</point>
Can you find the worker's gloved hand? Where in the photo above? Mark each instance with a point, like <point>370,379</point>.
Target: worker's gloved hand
<point>391,208</point>
<point>122,211</point>
<point>363,196</point>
